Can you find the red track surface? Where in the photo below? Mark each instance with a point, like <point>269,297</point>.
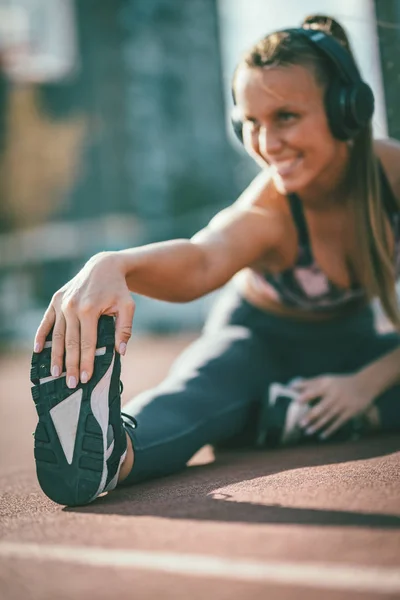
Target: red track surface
<point>309,522</point>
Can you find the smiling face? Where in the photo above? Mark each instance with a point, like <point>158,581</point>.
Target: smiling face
<point>285,125</point>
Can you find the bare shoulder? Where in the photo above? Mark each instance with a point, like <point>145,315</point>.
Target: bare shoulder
<point>249,229</point>
<point>388,151</point>
<point>259,201</point>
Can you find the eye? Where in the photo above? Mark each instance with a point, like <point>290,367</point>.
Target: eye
<point>286,116</point>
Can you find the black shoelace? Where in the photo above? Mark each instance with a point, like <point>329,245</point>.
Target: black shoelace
<point>125,415</point>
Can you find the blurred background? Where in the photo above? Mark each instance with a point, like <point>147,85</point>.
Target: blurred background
<point>114,130</point>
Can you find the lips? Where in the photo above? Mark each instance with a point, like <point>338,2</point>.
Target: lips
<point>285,167</point>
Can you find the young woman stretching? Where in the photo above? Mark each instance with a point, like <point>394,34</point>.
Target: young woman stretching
<point>307,246</point>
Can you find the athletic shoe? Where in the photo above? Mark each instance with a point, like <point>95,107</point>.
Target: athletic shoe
<point>281,417</point>
<point>80,440</point>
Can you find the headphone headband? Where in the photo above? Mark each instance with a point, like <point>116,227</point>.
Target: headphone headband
<point>349,101</point>
<point>342,59</point>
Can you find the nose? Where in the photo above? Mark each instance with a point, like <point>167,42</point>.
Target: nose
<point>270,141</point>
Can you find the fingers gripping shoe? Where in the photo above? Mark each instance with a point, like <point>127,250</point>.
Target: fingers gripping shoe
<point>80,441</point>
<point>281,417</point>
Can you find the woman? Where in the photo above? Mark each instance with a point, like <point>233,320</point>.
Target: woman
<point>307,246</point>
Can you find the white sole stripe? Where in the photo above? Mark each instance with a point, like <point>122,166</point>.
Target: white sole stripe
<point>100,409</point>
<point>51,378</point>
<point>99,352</point>
<point>382,580</point>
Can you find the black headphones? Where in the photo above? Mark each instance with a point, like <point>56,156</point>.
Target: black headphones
<point>349,101</point>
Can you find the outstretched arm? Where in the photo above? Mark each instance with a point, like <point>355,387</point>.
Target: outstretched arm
<point>178,270</point>
<point>182,270</point>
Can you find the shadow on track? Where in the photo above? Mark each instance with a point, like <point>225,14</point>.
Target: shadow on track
<point>193,494</point>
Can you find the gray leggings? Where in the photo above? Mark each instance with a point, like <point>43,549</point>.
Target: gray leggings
<point>214,390</point>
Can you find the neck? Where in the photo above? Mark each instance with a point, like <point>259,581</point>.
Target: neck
<point>332,187</point>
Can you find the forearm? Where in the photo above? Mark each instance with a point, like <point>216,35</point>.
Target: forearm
<point>172,270</point>
<point>182,270</point>
<point>381,374</point>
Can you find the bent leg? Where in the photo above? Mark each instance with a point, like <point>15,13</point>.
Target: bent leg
<point>207,397</point>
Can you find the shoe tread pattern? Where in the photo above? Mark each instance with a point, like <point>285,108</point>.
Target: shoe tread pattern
<point>70,484</point>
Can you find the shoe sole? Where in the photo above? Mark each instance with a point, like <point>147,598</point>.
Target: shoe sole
<point>282,399</point>
<point>71,435</point>
<point>280,417</point>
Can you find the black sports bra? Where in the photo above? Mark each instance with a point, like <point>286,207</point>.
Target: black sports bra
<point>305,285</point>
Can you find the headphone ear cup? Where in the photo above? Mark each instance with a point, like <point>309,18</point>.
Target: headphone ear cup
<point>348,108</point>
<point>335,106</point>
<point>361,104</point>
<point>237,124</point>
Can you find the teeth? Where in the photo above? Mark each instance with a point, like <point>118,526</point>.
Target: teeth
<point>285,163</point>
<point>284,166</point>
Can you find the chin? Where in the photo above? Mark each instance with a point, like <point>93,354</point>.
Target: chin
<point>291,185</point>
<point>287,186</point>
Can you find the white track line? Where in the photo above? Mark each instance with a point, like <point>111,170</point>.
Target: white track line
<point>315,575</point>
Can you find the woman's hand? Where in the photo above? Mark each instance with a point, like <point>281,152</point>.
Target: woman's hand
<point>99,288</point>
<point>340,397</point>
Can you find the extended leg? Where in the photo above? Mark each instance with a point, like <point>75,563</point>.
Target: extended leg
<point>207,397</point>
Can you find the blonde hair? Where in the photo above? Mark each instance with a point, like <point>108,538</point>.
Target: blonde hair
<point>375,266</point>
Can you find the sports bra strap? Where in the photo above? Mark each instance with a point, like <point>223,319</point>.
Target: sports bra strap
<point>296,209</point>
<point>390,203</point>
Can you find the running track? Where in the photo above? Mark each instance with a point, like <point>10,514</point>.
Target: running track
<point>311,522</point>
